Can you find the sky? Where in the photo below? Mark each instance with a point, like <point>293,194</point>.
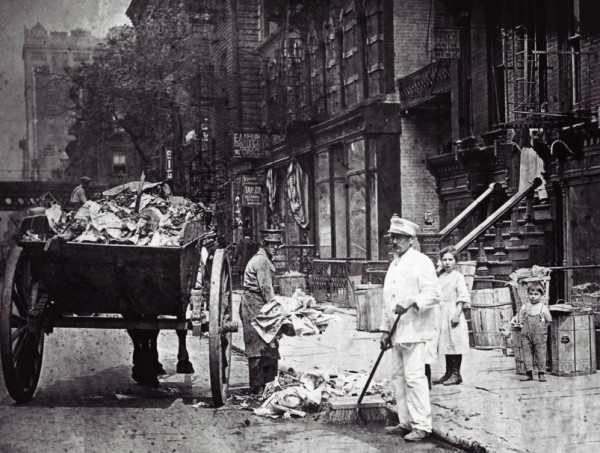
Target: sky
<point>96,16</point>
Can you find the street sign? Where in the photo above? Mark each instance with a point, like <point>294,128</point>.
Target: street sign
<point>250,144</point>
<point>446,43</point>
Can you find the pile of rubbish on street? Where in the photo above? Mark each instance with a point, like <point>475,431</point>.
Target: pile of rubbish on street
<point>291,395</point>
<point>298,315</point>
<point>112,219</point>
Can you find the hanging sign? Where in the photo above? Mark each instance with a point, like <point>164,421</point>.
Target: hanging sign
<point>252,194</point>
<point>446,43</point>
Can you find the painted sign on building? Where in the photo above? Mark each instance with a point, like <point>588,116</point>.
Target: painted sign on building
<point>446,43</point>
<point>252,192</point>
<point>250,144</point>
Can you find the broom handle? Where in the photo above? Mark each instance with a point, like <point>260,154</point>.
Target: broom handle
<point>377,362</point>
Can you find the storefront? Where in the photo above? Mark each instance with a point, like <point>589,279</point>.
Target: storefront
<point>331,185</point>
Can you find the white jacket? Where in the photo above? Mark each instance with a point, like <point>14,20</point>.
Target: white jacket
<point>411,278</point>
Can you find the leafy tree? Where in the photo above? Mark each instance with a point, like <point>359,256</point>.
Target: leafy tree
<point>138,84</point>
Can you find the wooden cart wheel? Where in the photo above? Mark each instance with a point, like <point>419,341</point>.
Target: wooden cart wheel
<point>219,335</point>
<point>21,342</point>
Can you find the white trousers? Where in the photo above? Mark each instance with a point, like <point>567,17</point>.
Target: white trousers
<point>410,384</point>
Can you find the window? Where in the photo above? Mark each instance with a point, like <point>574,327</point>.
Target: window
<point>38,56</point>
<point>497,104</point>
<point>574,47</point>
<point>323,204</point>
<point>344,190</point>
<point>526,58</point>
<point>80,57</point>
<point>465,118</point>
<point>119,163</point>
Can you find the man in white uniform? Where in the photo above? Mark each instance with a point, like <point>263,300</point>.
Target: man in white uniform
<point>411,289</point>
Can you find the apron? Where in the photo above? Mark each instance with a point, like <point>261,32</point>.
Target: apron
<point>255,346</point>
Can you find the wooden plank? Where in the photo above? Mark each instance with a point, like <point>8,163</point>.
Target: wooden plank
<point>119,323</point>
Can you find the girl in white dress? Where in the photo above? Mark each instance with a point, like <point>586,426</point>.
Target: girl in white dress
<point>454,334</point>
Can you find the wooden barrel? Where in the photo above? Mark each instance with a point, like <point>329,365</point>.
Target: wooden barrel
<point>467,268</point>
<point>369,299</point>
<point>490,308</point>
<point>517,344</point>
<point>289,282</point>
<point>573,343</point>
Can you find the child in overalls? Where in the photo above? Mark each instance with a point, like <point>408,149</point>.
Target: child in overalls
<point>533,319</point>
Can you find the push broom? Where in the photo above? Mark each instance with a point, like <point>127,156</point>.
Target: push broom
<point>346,411</point>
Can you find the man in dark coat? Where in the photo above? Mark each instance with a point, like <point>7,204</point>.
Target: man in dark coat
<point>245,249</point>
<point>258,291</point>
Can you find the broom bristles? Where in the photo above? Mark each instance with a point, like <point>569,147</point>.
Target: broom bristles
<point>357,415</point>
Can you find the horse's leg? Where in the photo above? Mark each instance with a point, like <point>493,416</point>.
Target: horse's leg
<point>183,359</point>
<point>136,340</point>
<point>148,357</point>
<point>153,338</point>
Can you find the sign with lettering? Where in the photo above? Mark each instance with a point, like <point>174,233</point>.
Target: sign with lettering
<point>446,43</point>
<point>169,158</point>
<point>252,192</point>
<point>250,144</point>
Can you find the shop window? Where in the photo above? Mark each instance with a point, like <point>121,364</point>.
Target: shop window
<point>323,204</point>
<point>119,163</point>
<point>342,202</point>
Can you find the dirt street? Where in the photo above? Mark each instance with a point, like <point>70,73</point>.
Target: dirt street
<point>87,402</point>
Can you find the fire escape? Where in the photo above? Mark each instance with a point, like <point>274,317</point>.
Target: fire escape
<point>292,80</point>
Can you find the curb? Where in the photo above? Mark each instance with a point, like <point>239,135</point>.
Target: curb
<point>467,445</point>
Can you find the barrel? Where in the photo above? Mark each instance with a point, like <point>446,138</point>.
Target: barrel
<point>490,308</point>
<point>289,282</point>
<point>369,299</point>
<point>573,343</point>
<point>467,268</point>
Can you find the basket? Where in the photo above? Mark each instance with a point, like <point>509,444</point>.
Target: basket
<point>519,292</point>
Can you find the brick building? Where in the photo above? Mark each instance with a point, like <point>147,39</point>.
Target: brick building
<point>44,55</point>
<point>522,78</point>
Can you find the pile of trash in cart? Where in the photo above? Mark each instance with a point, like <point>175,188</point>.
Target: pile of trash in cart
<point>112,219</point>
<point>291,394</point>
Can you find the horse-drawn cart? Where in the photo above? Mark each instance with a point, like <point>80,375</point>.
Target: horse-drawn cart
<point>49,284</point>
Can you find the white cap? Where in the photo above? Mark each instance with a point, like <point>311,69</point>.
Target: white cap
<point>402,226</point>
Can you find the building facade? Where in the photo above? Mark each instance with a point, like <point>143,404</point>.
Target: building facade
<point>46,54</point>
<point>522,77</point>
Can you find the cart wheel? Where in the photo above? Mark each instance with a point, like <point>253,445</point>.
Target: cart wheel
<point>219,338</point>
<point>21,342</point>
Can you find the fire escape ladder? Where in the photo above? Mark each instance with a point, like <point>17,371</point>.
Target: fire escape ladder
<point>524,80</point>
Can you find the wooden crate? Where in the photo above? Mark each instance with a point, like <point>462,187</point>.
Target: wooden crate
<point>573,340</point>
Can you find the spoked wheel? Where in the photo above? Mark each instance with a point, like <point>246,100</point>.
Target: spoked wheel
<point>21,341</point>
<point>220,327</point>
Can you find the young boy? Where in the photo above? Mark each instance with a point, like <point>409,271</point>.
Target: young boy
<point>533,318</point>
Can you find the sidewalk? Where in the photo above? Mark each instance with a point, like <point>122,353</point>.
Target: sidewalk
<point>491,411</point>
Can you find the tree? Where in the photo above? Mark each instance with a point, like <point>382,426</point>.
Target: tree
<point>138,84</point>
